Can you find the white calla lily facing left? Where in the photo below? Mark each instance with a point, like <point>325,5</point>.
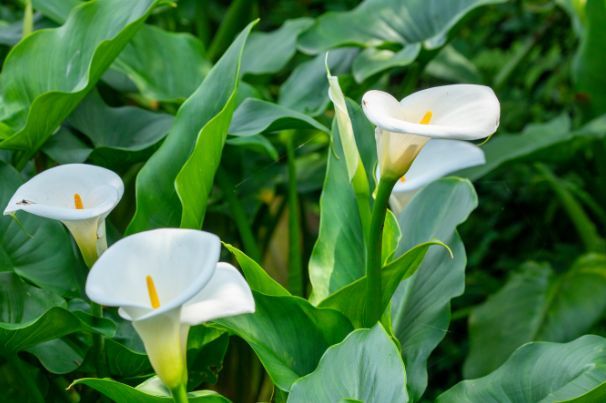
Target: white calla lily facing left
<point>437,159</point>
<point>79,195</point>
<point>165,281</point>
<point>456,112</point>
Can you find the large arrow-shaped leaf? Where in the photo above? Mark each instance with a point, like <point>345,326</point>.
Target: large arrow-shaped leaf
<point>183,169</point>
<point>48,73</point>
<point>539,372</point>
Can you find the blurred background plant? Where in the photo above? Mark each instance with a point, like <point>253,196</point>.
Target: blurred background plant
<point>536,265</point>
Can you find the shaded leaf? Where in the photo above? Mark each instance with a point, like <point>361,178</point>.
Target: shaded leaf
<point>269,52</point>
<point>121,393</point>
<point>48,73</point>
<point>288,334</point>
<point>372,61</point>
<point>306,89</point>
<point>536,304</point>
<point>375,22</point>
<point>539,372</point>
<point>255,116</point>
<point>588,70</point>
<point>420,308</point>
<point>158,204</point>
<point>366,366</point>
<point>37,249</point>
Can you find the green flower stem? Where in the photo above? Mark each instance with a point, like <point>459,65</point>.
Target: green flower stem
<point>295,262</point>
<point>28,19</point>
<point>374,291</point>
<point>180,394</point>
<point>98,339</point>
<point>239,215</point>
<point>99,343</point>
<point>585,227</point>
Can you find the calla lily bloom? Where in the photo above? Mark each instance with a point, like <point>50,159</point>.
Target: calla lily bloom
<point>79,195</point>
<point>437,159</point>
<point>460,111</point>
<point>165,281</point>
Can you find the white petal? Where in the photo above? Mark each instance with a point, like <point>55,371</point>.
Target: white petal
<point>179,261</point>
<point>460,111</point>
<point>51,193</point>
<point>226,294</point>
<point>437,159</point>
<point>397,151</point>
<point>165,342</point>
<point>87,236</point>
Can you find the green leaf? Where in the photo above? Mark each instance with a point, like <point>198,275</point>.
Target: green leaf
<point>588,70</point>
<point>123,361</point>
<point>162,78</point>
<point>256,276</point>
<point>269,52</point>
<point>59,356</point>
<point>372,61</point>
<point>507,147</point>
<point>37,249</point>
<point>450,65</point>
<point>255,116</point>
<point>48,73</point>
<point>30,315</point>
<point>536,304</point>
<point>144,60</point>
<point>420,308</point>
<point>56,10</point>
<point>338,255</point>
<point>257,143</point>
<point>365,366</point>
<point>288,334</point>
<point>539,372</point>
<point>306,89</point>
<point>64,147</point>
<point>190,141</point>
<point>347,299</point>
<point>376,22</point>
<point>596,395</point>
<point>121,135</point>
<point>156,393</point>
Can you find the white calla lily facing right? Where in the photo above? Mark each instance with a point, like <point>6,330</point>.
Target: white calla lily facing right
<point>165,281</point>
<point>438,158</point>
<point>456,112</point>
<point>81,196</point>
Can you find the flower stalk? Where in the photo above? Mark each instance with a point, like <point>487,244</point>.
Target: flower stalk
<point>374,263</point>
<point>180,394</point>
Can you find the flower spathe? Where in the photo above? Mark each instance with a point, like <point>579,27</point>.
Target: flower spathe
<point>165,281</point>
<point>437,159</point>
<point>79,195</point>
<point>456,112</point>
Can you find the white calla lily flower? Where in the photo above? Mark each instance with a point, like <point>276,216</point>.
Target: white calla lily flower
<point>165,281</point>
<point>460,111</point>
<point>79,195</point>
<point>437,159</point>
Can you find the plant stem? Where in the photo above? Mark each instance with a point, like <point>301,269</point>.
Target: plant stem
<point>583,224</point>
<point>99,343</point>
<point>28,19</point>
<point>295,269</point>
<point>180,394</point>
<point>374,291</point>
<point>239,215</point>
